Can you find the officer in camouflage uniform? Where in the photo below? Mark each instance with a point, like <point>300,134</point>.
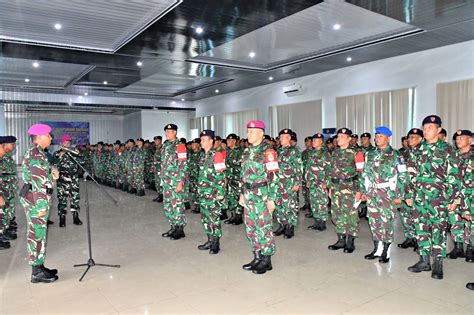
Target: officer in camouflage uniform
<point>35,197</point>
<point>12,184</point>
<point>173,172</point>
<point>233,161</point>
<point>68,182</point>
<point>365,148</point>
<point>157,168</point>
<point>308,141</point>
<point>316,178</point>
<point>414,138</point>
<point>115,164</point>
<point>220,146</point>
<point>290,174</point>
<point>355,141</point>
<point>195,154</point>
<point>435,193</point>
<point>344,189</point>
<point>382,184</point>
<point>211,191</point>
<point>7,191</point>
<point>148,172</point>
<point>461,227</point>
<point>259,184</point>
<point>96,161</point>
<point>405,145</point>
<point>129,166</point>
<point>138,168</point>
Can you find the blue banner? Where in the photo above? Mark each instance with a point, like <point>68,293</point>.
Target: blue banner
<point>79,131</point>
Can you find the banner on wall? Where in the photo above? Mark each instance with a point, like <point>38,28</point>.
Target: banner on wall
<point>79,131</point>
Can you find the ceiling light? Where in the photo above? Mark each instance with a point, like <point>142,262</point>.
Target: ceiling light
<point>336,26</point>
<point>27,80</point>
<point>80,96</point>
<point>349,59</point>
<point>105,82</point>
<point>217,91</point>
<point>36,64</point>
<point>173,102</point>
<point>199,30</point>
<point>270,78</point>
<point>182,100</point>
<point>58,26</point>
<point>85,94</point>
<point>251,54</point>
<point>139,63</point>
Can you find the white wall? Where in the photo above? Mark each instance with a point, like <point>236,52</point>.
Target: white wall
<point>153,122</point>
<point>2,120</point>
<point>422,70</point>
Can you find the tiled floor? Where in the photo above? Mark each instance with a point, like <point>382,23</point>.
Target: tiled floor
<point>162,276</point>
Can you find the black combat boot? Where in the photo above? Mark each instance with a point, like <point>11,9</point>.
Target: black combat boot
<point>51,271</point>
<point>457,252</point>
<point>187,205</point>
<point>178,233</point>
<point>215,245</point>
<point>223,214</point>
<point>280,230</point>
<point>375,252</point>
<point>62,220</point>
<point>289,231</point>
<point>385,257</point>
<point>407,243</point>
<point>315,225</point>
<point>160,198</point>
<point>238,219</point>
<point>341,242</point>
<point>231,219</point>
<point>75,218</point>
<point>169,232</point>
<point>124,187</point>
<point>10,235</point>
<point>350,247</point>
<point>305,207</point>
<point>254,262</point>
<point>140,192</point>
<point>49,222</point>
<point>4,243</point>
<point>363,212</point>
<point>119,186</point>
<point>322,226</point>
<point>132,190</point>
<point>264,265</point>
<point>437,272</point>
<point>13,222</point>
<point>470,285</point>
<point>113,184</point>
<point>206,245</point>
<point>422,265</point>
<point>39,274</point>
<point>469,254</point>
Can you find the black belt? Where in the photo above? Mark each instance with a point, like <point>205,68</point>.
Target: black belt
<point>250,186</point>
<point>344,180</point>
<point>7,174</point>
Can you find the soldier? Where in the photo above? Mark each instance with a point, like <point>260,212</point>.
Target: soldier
<point>294,140</point>
<point>345,164</point>
<point>115,164</point>
<point>415,136</point>
<point>148,172</point>
<point>382,186</point>
<point>138,167</point>
<point>316,179</point>
<point>35,197</point>
<point>68,182</point>
<point>330,145</point>
<point>157,168</point>
<point>355,141</point>
<point>97,163</point>
<point>443,134</point>
<point>233,161</point>
<point>460,219</point>
<point>129,166</point>
<point>211,191</point>
<point>173,171</point>
<point>193,166</point>
<point>304,157</point>
<point>11,181</point>
<point>435,194</point>
<point>259,184</point>
<point>405,145</point>
<point>365,148</point>
<point>290,174</point>
<point>4,197</point>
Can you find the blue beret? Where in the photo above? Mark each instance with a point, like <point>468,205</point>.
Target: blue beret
<point>432,119</point>
<point>384,131</point>
<point>208,133</point>
<point>345,131</point>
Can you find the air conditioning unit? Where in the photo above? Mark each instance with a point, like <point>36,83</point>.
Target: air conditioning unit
<point>292,88</point>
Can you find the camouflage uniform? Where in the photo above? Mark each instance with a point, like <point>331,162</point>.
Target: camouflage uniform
<point>68,182</point>
<point>129,167</point>
<point>233,163</point>
<point>316,174</point>
<point>137,169</point>
<point>194,159</point>
<point>305,190</point>
<point>148,171</point>
<point>157,170</point>
<point>37,172</point>
<point>9,166</point>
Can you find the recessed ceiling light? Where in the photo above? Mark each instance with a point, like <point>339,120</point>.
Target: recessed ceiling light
<point>270,78</point>
<point>217,91</point>
<point>349,59</point>
<point>139,63</point>
<point>336,26</point>
<point>85,94</point>
<point>173,102</point>
<point>252,54</point>
<point>36,64</point>
<point>199,30</point>
<point>27,80</point>
<point>58,26</point>
<point>182,100</point>
<point>105,82</point>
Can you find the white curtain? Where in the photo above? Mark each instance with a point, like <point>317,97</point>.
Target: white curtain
<point>455,105</point>
<point>201,123</point>
<point>235,122</point>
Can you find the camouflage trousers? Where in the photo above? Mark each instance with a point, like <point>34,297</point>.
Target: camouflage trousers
<point>406,216</point>
<point>210,215</point>
<point>68,189</point>
<point>3,220</point>
<point>193,191</point>
<point>159,187</point>
<point>36,231</point>
<point>430,217</point>
<point>258,221</point>
<point>318,201</point>
<point>344,216</point>
<point>381,213</point>
<point>186,190</point>
<point>173,203</point>
<point>148,175</point>
<point>7,212</point>
<point>138,179</point>
<point>129,177</point>
<point>286,211</point>
<point>233,195</point>
<point>457,227</point>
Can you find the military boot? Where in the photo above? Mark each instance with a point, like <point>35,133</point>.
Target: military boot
<point>289,231</point>
<point>457,252</point>
<point>156,199</point>
<point>280,230</point>
<point>187,205</point>
<point>206,245</point>
<point>322,226</point>
<point>238,219</point>
<point>4,243</point>
<point>254,262</point>
<point>62,220</point>
<point>51,271</point>
<point>350,247</point>
<point>124,187</point>
<point>169,232</point>
<point>140,192</point>
<point>437,272</point>
<point>13,222</point>
<point>231,219</point>
<point>408,242</point>
<point>132,190</point>
<point>264,265</point>
<point>75,218</point>
<point>160,198</point>
<point>376,252</point>
<point>215,245</point>
<point>385,257</point>
<point>10,234</point>
<point>469,254</point>
<point>422,265</point>
<point>49,222</point>
<point>315,225</point>
<point>470,285</point>
<point>178,233</point>
<point>39,274</point>
<point>223,214</point>
<point>341,242</point>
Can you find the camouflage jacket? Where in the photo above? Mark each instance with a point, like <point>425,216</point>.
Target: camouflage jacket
<point>193,163</point>
<point>233,161</point>
<point>342,168</point>
<point>173,165</point>
<point>211,177</point>
<point>255,171</point>
<point>157,160</point>
<point>36,171</point>
<point>8,178</point>
<point>291,166</point>
<point>436,168</point>
<point>66,165</point>
<point>466,165</point>
<point>411,173</point>
<point>383,170</point>
<point>316,167</point>
<point>367,149</point>
<point>138,159</point>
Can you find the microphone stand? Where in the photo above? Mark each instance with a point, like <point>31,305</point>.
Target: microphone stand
<point>90,262</point>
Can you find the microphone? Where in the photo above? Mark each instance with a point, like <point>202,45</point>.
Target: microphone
<point>70,151</point>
